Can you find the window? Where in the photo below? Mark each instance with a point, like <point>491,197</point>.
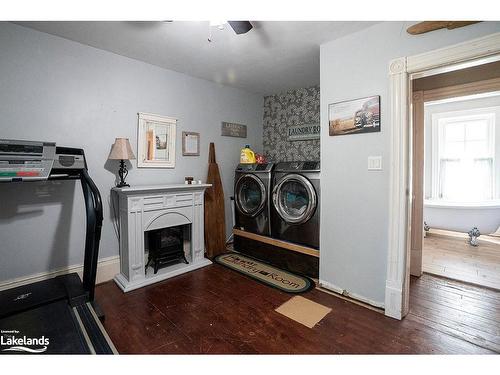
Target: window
<point>463,143</point>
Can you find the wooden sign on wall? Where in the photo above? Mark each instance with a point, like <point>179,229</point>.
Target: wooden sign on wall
<point>230,129</point>
<point>303,132</point>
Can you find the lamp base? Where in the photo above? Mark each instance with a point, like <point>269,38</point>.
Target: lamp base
<point>122,172</point>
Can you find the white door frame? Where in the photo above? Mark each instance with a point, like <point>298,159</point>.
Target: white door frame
<point>400,74</point>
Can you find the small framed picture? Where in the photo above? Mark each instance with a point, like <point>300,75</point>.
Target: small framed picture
<point>190,144</point>
<point>156,141</point>
<point>354,116</point>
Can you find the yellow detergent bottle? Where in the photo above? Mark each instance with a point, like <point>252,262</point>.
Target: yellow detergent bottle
<point>247,156</point>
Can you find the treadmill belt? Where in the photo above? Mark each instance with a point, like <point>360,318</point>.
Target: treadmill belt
<point>54,322</point>
<point>99,343</point>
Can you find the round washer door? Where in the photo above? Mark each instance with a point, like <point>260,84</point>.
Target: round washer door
<point>294,198</point>
<point>250,195</point>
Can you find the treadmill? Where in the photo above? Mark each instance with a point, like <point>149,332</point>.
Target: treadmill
<point>58,315</point>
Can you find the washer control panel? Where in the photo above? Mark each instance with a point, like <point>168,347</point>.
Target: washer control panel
<point>265,167</point>
<point>299,166</point>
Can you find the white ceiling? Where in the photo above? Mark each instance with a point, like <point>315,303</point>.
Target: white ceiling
<point>270,58</point>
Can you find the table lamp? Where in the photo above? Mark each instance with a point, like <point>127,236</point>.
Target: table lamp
<point>122,151</point>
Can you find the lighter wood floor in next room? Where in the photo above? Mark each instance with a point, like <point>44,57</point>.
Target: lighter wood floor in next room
<point>450,255</point>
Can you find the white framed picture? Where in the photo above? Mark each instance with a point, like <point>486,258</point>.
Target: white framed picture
<point>156,141</point>
<point>190,144</point>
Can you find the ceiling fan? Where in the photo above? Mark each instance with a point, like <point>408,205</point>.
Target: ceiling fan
<point>239,27</point>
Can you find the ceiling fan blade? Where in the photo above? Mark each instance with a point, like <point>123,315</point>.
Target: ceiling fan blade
<point>426,26</point>
<point>240,27</point>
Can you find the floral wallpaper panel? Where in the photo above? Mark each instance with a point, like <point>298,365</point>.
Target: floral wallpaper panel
<point>294,107</point>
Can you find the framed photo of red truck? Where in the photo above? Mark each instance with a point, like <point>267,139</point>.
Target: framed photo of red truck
<point>354,116</point>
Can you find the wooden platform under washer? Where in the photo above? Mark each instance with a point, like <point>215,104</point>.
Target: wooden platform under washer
<point>278,243</point>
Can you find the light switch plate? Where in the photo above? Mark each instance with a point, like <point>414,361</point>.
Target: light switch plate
<point>374,163</point>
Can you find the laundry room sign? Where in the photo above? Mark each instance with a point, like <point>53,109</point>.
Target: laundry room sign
<point>230,129</point>
<point>303,132</point>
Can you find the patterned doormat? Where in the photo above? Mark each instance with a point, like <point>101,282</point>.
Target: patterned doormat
<point>265,273</point>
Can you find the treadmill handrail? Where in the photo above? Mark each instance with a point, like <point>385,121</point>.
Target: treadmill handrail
<point>94,213</point>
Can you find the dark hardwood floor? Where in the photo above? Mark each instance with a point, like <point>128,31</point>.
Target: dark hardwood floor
<point>216,310</point>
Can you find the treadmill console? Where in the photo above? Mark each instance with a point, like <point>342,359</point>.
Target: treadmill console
<point>37,161</point>
<point>25,160</point>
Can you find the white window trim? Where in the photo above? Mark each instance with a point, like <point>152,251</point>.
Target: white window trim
<point>487,113</point>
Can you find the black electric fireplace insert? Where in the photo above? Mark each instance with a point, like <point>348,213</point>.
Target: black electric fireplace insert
<point>166,246</point>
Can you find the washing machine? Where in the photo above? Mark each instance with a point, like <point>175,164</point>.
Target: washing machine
<point>252,198</point>
<point>295,213</point>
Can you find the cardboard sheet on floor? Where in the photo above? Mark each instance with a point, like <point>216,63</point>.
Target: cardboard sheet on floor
<point>303,311</point>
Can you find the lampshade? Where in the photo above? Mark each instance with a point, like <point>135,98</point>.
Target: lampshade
<point>121,150</point>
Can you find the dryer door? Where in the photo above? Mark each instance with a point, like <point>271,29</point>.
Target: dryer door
<point>295,199</point>
<point>250,195</point>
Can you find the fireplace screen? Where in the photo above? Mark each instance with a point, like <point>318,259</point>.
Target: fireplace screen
<point>166,246</point>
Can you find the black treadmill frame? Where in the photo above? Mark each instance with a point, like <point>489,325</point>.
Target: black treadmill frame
<point>25,307</point>
<point>75,292</point>
<point>93,212</point>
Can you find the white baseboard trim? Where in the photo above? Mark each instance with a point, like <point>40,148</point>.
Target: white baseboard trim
<point>166,273</point>
<point>107,268</point>
<point>394,298</point>
<point>339,290</point>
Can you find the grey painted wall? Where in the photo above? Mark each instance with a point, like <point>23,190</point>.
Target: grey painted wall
<point>58,90</point>
<point>355,201</point>
<point>293,107</point>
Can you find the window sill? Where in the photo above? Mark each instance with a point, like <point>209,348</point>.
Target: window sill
<point>434,203</point>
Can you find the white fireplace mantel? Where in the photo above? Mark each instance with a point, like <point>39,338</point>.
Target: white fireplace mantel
<point>149,207</point>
